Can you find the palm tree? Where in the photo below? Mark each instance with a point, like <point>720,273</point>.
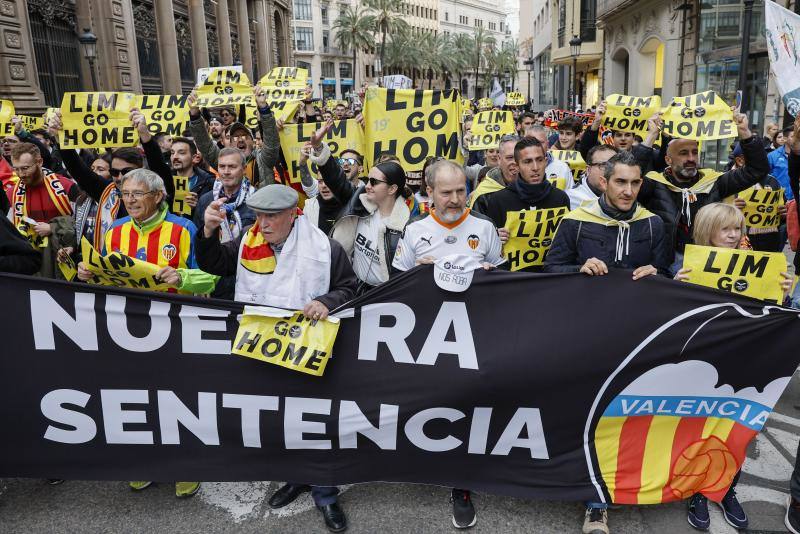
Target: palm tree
<point>461,46</point>
<point>481,43</point>
<point>353,32</point>
<point>400,52</point>
<point>386,19</point>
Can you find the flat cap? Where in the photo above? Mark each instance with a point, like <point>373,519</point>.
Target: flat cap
<point>273,198</point>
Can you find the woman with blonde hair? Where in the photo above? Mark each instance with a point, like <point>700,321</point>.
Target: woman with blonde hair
<point>721,225</point>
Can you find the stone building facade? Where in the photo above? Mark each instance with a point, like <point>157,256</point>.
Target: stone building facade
<point>143,46</point>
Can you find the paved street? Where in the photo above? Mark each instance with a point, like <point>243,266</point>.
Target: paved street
<point>33,506</point>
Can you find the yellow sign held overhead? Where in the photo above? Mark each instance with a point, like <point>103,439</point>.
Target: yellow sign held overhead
<point>745,272</point>
<point>515,99</point>
<point>702,116</point>
<point>289,340</point>
<point>630,113</point>
<point>225,87</point>
<point>6,113</point>
<point>488,127</point>
<point>97,120</point>
<point>179,205</point>
<point>119,270</point>
<point>531,234</point>
<point>167,114</point>
<point>345,134</point>
<point>412,125</point>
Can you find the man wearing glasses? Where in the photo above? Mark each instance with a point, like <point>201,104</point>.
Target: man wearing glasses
<point>593,184</point>
<point>351,161</point>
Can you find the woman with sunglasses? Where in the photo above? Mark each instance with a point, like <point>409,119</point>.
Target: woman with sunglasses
<point>374,214</point>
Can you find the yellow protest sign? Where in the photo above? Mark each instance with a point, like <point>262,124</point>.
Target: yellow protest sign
<point>488,127</point>
<point>68,269</point>
<point>559,181</point>
<point>630,113</point>
<point>167,114</point>
<point>745,272</point>
<point>6,112</point>
<point>515,98</point>
<point>97,120</point>
<point>572,158</point>
<point>224,87</point>
<point>289,340</point>
<point>412,125</point>
<point>31,123</point>
<point>700,116</point>
<point>285,84</point>
<point>531,234</point>
<point>179,205</point>
<point>761,210</point>
<point>485,103</point>
<point>466,104</point>
<point>345,134</point>
<point>283,110</point>
<point>119,270</point>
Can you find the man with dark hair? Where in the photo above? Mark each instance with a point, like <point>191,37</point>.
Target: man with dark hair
<point>184,161</point>
<point>525,121</point>
<point>351,162</point>
<point>612,231</point>
<point>569,130</point>
<point>530,191</point>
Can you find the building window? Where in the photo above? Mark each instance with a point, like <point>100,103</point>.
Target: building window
<point>324,12</point>
<point>562,23</point>
<point>328,69</point>
<point>304,39</point>
<point>588,20</point>
<point>728,25</point>
<point>326,38</point>
<point>501,25</point>
<point>345,70</point>
<point>304,65</point>
<point>302,9</point>
<point>446,16</point>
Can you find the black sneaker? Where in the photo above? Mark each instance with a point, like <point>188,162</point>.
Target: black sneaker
<point>792,518</point>
<point>463,511</point>
<point>733,511</point>
<point>698,512</point>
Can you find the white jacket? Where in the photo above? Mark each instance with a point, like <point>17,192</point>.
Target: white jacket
<point>580,194</point>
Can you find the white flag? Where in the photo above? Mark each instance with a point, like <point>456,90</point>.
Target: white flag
<point>783,44</point>
<point>497,95</point>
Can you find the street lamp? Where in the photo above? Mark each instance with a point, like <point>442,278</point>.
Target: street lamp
<point>748,17</point>
<point>575,49</point>
<point>529,63</point>
<point>88,42</point>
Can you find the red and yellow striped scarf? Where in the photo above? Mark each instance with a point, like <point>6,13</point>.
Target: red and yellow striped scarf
<point>257,256</point>
<point>57,195</point>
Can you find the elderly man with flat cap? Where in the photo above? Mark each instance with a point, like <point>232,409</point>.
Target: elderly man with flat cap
<point>284,261</point>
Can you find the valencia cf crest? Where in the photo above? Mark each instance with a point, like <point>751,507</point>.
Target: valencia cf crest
<point>168,251</point>
<point>473,241</point>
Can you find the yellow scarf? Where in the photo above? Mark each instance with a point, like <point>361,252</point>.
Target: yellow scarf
<point>57,195</point>
<point>704,185</point>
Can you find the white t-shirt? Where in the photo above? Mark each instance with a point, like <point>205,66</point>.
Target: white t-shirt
<point>557,169</point>
<point>366,260</point>
<point>469,235</point>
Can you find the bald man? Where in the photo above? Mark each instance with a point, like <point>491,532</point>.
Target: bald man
<point>677,193</point>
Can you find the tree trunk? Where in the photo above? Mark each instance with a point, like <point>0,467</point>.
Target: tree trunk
<point>355,72</point>
<point>476,81</point>
<point>383,45</point>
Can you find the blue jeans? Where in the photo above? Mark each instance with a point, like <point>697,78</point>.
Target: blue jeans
<point>796,296</point>
<point>324,495</point>
<point>599,505</point>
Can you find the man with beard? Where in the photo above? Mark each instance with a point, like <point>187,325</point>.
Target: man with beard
<point>677,193</point>
<point>184,160</point>
<point>351,162</point>
<point>450,229</point>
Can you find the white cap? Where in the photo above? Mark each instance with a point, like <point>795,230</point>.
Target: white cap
<point>454,273</point>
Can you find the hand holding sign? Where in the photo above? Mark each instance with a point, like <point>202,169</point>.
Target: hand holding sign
<point>214,216</point>
<point>319,135</point>
<point>316,310</point>
<point>261,97</point>
<point>598,115</point>
<point>54,125</point>
<point>84,274</point>
<point>42,229</point>
<point>139,122</point>
<point>170,276</point>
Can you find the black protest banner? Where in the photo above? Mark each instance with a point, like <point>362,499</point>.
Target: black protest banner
<point>423,386</point>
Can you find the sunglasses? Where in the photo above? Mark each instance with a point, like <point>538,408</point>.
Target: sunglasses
<point>349,161</point>
<point>374,181</point>
<point>117,172</point>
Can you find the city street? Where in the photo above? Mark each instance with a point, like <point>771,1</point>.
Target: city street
<point>33,506</point>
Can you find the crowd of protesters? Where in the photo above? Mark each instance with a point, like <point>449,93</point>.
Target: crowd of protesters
<point>254,238</point>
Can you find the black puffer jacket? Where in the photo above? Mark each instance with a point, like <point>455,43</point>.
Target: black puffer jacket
<point>666,203</point>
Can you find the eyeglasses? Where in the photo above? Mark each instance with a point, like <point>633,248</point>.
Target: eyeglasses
<point>374,181</point>
<point>117,172</point>
<point>348,161</point>
<point>138,195</point>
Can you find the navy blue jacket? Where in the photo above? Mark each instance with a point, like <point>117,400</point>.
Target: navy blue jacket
<point>577,241</point>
